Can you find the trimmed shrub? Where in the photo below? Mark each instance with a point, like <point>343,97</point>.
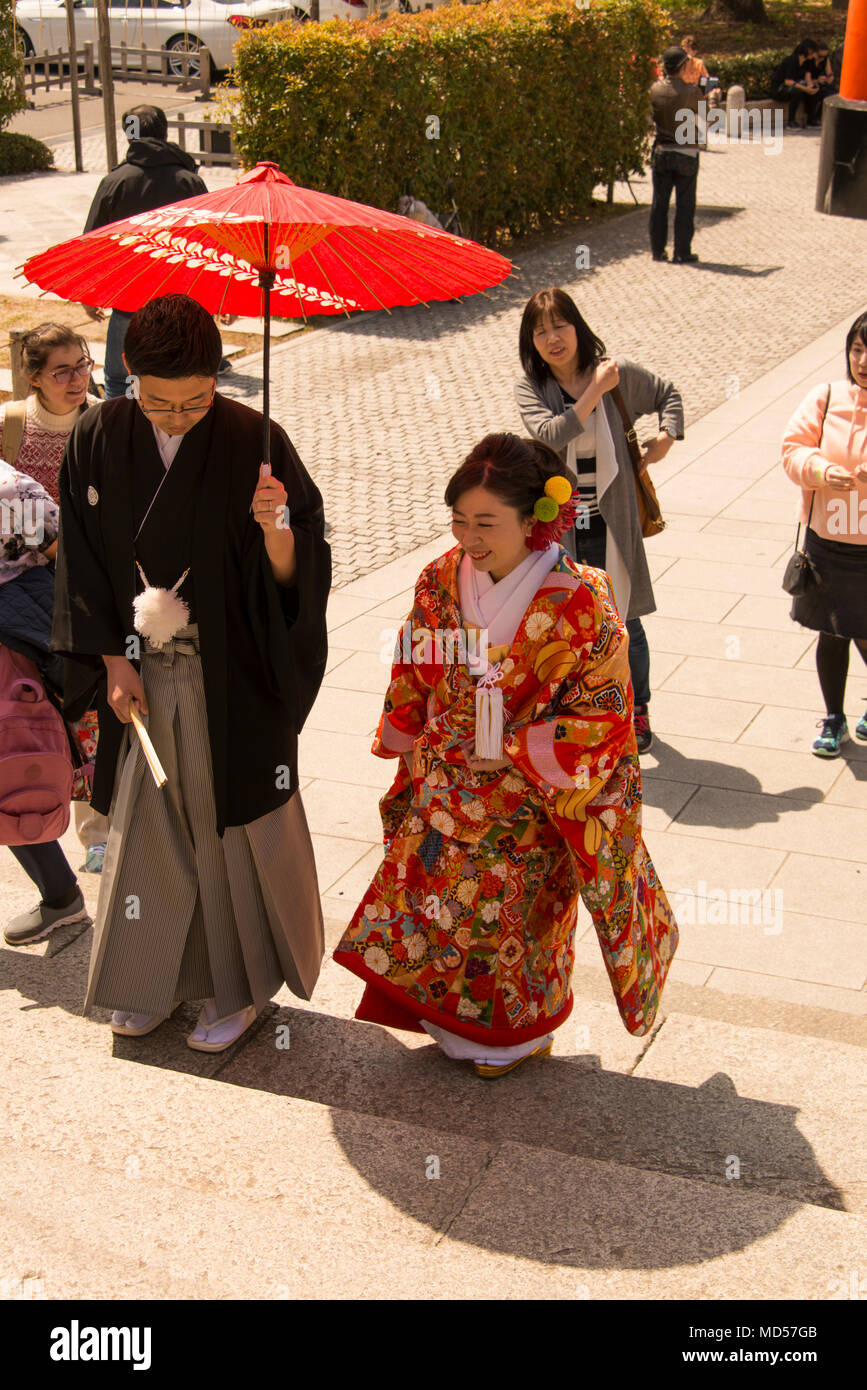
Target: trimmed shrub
<point>11,92</point>
<point>526,104</point>
<point>21,154</point>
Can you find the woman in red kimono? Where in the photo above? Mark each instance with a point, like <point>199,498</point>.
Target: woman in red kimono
<point>514,651</point>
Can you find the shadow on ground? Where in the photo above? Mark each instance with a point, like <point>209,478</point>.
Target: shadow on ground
<point>707,775</point>
<point>596,1150</point>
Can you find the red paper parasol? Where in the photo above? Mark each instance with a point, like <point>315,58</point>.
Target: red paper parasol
<point>262,246</point>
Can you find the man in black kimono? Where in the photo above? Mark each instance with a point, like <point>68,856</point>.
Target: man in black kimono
<point>209,886</point>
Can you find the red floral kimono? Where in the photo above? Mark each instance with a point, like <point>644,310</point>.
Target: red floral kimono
<point>469,922</point>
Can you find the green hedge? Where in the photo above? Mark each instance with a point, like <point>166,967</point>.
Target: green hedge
<point>11,92</point>
<point>537,101</point>
<point>21,154</point>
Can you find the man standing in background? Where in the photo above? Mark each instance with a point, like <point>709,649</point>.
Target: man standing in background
<point>155,172</point>
<point>674,158</point>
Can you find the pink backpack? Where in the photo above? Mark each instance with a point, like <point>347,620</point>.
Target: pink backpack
<point>35,760</point>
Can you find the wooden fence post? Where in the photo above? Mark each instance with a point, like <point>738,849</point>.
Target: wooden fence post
<point>182,133</point>
<point>20,384</point>
<point>89,78</point>
<point>205,73</point>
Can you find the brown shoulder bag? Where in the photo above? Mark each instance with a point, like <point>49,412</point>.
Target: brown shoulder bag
<point>649,510</point>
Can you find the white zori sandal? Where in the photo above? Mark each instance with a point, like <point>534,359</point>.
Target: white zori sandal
<point>212,1034</point>
<point>137,1025</point>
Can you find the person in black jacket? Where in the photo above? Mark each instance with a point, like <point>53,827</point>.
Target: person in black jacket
<point>155,172</point>
<point>793,81</point>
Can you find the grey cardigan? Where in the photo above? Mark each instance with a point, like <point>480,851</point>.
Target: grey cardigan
<point>547,418</point>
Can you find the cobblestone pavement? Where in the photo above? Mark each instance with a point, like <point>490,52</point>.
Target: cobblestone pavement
<point>383,409</point>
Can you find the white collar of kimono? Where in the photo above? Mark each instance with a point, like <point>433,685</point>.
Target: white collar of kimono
<point>168,445</point>
<point>499,607</point>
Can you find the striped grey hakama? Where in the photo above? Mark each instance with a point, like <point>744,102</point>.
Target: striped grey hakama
<point>182,913</point>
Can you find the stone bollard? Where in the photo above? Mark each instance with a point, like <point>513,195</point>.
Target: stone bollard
<point>735,102</point>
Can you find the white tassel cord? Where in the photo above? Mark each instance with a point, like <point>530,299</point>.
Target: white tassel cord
<point>489,716</point>
<point>158,613</point>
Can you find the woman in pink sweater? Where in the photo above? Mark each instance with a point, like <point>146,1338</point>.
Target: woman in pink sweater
<point>825,453</point>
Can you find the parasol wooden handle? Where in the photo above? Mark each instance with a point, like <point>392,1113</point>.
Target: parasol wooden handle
<point>147,747</point>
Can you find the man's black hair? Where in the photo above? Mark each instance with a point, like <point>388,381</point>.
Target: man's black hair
<point>173,337</point>
<point>145,123</point>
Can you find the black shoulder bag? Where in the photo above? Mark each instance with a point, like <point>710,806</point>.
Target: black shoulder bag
<point>799,571</point>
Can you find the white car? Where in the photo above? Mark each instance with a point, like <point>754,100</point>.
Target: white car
<point>362,9</point>
<point>177,25</point>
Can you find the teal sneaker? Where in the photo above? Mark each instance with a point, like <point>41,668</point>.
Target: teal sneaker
<point>835,731</point>
<point>861,728</point>
<point>93,860</point>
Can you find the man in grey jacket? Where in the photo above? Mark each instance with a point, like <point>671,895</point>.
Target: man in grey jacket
<point>674,158</point>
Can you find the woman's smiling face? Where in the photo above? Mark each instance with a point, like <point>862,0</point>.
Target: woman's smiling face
<point>62,396</point>
<point>491,532</point>
<point>556,342</point>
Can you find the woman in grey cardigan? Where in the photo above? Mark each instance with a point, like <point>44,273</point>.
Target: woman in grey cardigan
<point>565,400</point>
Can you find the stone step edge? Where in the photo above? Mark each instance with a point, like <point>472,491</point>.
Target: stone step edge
<point>748,1010</point>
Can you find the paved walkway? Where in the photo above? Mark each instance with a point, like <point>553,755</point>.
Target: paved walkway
<point>723,1157</point>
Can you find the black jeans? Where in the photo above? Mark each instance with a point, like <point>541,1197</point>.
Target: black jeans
<point>591,551</point>
<point>677,171</point>
<point>47,866</point>
<point>812,104</point>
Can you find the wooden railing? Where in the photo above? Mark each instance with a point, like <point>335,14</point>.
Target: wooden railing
<point>130,63</point>
<point>225,152</point>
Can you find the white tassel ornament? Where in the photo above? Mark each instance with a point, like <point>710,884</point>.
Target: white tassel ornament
<point>489,716</point>
<point>158,614</point>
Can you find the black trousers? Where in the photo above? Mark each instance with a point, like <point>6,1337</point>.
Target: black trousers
<point>673,170</point>
<point>812,104</point>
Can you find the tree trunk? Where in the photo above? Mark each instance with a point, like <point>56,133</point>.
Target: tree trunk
<point>747,11</point>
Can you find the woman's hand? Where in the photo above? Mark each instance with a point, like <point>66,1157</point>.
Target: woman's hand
<point>124,684</point>
<point>839,478</point>
<point>656,450</point>
<point>486,764</point>
<point>607,375</point>
<point>269,502</point>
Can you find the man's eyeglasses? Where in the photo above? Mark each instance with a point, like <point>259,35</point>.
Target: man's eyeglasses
<point>63,375</point>
<point>176,409</point>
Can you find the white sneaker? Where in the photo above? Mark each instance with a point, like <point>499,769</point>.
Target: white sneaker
<point>213,1034</point>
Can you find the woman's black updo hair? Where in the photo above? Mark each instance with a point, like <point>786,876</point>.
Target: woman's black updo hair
<point>558,304</point>
<point>515,470</point>
<point>858,330</point>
